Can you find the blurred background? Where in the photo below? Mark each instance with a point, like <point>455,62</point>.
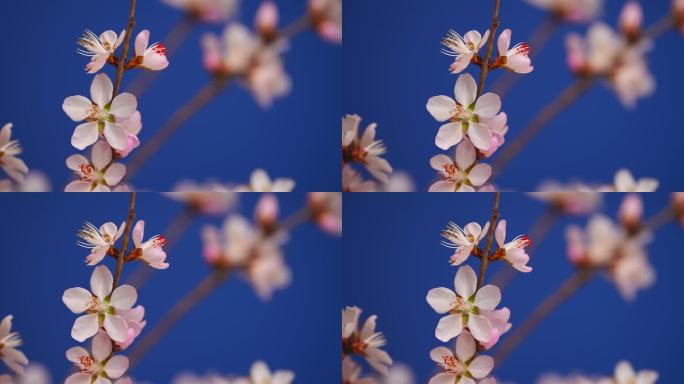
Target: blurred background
<point>393,65</point>
<point>296,330</point>
<point>393,257</point>
<point>226,141</point>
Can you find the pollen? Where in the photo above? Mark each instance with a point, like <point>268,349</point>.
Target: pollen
<point>160,49</point>
<point>523,49</point>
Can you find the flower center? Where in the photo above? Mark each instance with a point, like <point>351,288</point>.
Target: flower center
<point>86,364</point>
<point>87,172</point>
<point>462,305</point>
<point>462,113</point>
<point>450,362</point>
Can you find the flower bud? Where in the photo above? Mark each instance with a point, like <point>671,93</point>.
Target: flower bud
<point>631,20</point>
<point>266,212</point>
<point>631,212</point>
<point>266,20</point>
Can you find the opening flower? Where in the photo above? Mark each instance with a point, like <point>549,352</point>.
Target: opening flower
<point>260,181</point>
<point>461,175</point>
<point>513,251</point>
<point>516,59</point>
<point>150,251</point>
<point>464,306</point>
<point>100,175</point>
<point>99,240</point>
<point>463,48</point>
<point>102,306</point>
<point>9,149</point>
<point>151,57</point>
<point>98,366</point>
<point>261,374</point>
<point>464,114</point>
<point>99,49</point>
<point>464,367</point>
<point>103,114</point>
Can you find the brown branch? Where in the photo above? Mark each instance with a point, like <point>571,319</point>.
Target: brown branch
<point>569,287</point>
<point>490,48</point>
<point>200,292</point>
<point>185,304</point>
<point>189,109</point>
<point>178,34</point>
<point>540,229</point>
<point>194,105</point>
<point>121,64</point>
<point>484,260</point>
<point>551,110</point>
<point>121,257</point>
<point>173,233</point>
<point>537,41</point>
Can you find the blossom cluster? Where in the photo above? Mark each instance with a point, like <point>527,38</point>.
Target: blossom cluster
<point>623,374</point>
<point>255,57</point>
<point>471,314</point>
<point>617,56</point>
<point>259,374</point>
<point>473,120</point>
<point>618,249</point>
<point>110,120</point>
<point>109,317</point>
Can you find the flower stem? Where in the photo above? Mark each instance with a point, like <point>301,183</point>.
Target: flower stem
<point>124,243</point>
<point>175,38</point>
<point>484,260</point>
<point>490,48</point>
<point>121,66</point>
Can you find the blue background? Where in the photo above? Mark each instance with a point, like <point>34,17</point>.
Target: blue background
<point>297,329</point>
<point>231,137</point>
<point>393,257</point>
<point>393,65</point>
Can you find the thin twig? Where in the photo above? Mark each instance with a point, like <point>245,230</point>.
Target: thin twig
<point>537,42</point>
<point>484,260</point>
<point>490,48</point>
<point>121,257</point>
<point>178,34</point>
<point>537,233</point>
<point>296,27</point>
<point>567,97</point>
<point>173,233</point>
<point>121,66</point>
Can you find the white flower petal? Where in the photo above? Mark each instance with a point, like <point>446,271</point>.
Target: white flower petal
<point>441,107</point>
<point>465,281</point>
<point>441,299</point>
<point>101,90</point>
<point>465,90</point>
<point>449,327</point>
<point>78,300</point>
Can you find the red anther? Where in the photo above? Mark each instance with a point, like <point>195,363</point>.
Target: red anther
<point>160,241</point>
<point>86,363</point>
<point>86,171</point>
<point>450,170</point>
<point>526,242</point>
<point>523,49</point>
<point>160,49</point>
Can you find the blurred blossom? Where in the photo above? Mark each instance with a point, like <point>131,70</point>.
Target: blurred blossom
<point>260,373</point>
<point>364,150</point>
<point>326,210</point>
<point>13,358</point>
<point>352,181</point>
<point>678,205</point>
<point>365,342</point>
<point>210,198</point>
<point>625,182</point>
<point>260,181</point>
<point>623,374</point>
<point>212,11</point>
<point>399,182</point>
<point>326,16</point>
<point>574,199</point>
<point>571,10</point>
<point>9,149</point>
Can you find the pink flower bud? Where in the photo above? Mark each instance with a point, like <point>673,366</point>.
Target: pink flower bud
<point>631,19</point>
<point>266,20</point>
<point>631,211</point>
<point>266,211</point>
